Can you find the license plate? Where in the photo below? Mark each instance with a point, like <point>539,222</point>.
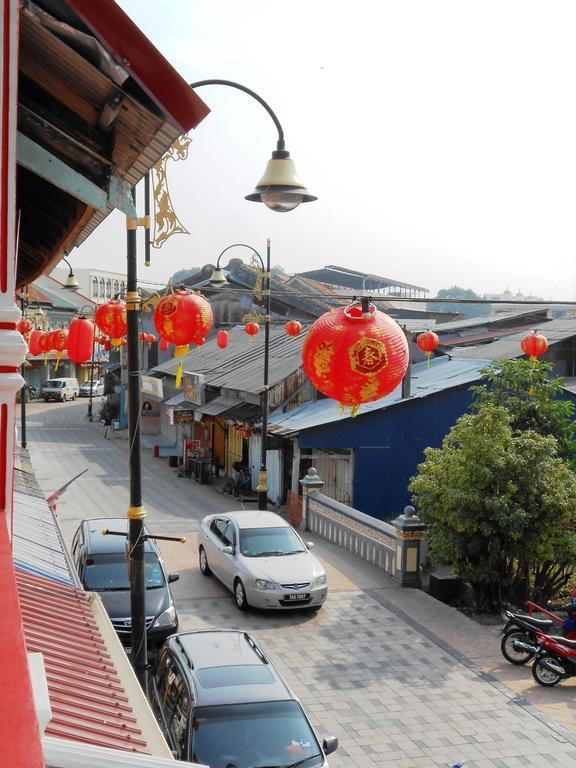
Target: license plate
<point>295,598</point>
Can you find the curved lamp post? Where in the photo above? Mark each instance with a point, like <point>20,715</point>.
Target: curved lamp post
<point>217,280</point>
<point>279,189</point>
<point>71,284</point>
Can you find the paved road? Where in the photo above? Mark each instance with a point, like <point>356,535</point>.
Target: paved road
<point>399,678</point>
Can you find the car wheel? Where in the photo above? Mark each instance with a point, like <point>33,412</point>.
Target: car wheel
<point>203,560</point>
<point>240,595</point>
<point>45,399</point>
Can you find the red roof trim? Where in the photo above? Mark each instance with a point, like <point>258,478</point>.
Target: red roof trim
<point>133,51</point>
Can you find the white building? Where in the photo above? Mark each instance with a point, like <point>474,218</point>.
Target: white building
<point>98,284</point>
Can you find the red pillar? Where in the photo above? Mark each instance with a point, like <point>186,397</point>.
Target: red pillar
<point>20,745</point>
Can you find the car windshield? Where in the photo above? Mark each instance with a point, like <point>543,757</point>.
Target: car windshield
<point>106,573</point>
<point>268,542</point>
<point>271,734</point>
<point>54,384</point>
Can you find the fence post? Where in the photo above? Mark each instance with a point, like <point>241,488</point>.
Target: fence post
<point>409,530</point>
<point>310,483</point>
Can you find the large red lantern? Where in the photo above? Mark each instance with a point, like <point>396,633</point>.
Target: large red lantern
<point>111,319</point>
<point>183,318</point>
<point>293,327</point>
<point>534,345</point>
<point>80,340</point>
<point>45,342</point>
<point>222,339</point>
<point>24,326</point>
<point>34,342</point>
<point>355,354</point>
<point>427,342</point>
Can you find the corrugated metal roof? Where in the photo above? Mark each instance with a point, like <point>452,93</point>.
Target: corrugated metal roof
<point>441,375</point>
<point>487,320</point>
<point>219,405</point>
<point>37,542</point>
<point>177,399</point>
<point>88,700</point>
<point>555,331</point>
<point>239,366</point>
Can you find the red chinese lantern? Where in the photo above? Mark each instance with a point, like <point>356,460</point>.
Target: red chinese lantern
<point>222,339</point>
<point>123,342</point>
<point>164,345</point>
<point>427,342</point>
<point>33,343</point>
<point>111,320</point>
<point>355,355</point>
<point>45,341</point>
<point>80,340</point>
<point>150,338</point>
<point>183,318</point>
<point>534,345</point>
<point>293,327</point>
<point>24,326</point>
<point>107,345</point>
<point>252,329</point>
<point>58,342</point>
<point>142,336</point>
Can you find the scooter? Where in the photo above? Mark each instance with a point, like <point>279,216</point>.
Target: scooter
<point>555,660</point>
<point>521,640</point>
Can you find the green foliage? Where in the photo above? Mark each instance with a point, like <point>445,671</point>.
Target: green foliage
<point>455,292</point>
<point>500,505</point>
<point>532,398</point>
<point>277,270</point>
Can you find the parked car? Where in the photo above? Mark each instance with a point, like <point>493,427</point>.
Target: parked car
<point>262,560</point>
<point>97,388</point>
<point>101,563</point>
<point>60,389</point>
<point>220,701</point>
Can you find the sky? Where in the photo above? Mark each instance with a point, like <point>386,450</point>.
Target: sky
<point>438,135</point>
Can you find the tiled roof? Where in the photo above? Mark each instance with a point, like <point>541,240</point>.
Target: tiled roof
<point>88,700</point>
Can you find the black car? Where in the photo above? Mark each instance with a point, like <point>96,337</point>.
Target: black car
<point>101,563</point>
<point>221,702</point>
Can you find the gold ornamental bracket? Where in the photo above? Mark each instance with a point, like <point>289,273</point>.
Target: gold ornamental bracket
<point>166,222</point>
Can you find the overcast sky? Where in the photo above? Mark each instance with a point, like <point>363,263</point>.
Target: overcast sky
<point>438,135</point>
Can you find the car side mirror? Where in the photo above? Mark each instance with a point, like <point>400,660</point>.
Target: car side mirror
<point>330,744</point>
<point>173,577</point>
<point>309,544</point>
<point>228,550</point>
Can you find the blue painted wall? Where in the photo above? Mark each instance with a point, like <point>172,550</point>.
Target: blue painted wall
<point>388,446</point>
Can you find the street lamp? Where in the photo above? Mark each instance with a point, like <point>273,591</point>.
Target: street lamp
<point>279,189</point>
<point>71,284</point>
<point>217,280</point>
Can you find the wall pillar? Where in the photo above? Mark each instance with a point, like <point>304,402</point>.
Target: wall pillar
<point>310,483</point>
<point>409,530</point>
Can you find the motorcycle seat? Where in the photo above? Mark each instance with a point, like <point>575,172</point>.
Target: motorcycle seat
<point>564,641</point>
<point>542,624</point>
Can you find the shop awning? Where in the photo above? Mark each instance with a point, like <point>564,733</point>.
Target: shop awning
<point>179,399</point>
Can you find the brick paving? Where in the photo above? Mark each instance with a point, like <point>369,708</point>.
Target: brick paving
<point>402,680</point>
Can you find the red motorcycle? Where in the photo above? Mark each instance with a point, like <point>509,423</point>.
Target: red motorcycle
<point>555,661</point>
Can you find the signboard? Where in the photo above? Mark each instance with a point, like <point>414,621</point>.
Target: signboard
<point>194,388</point>
<point>180,416</point>
<point>151,387</point>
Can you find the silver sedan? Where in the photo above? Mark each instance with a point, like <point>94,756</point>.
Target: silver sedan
<point>262,560</point>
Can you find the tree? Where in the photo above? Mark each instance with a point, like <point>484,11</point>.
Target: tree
<point>500,505</point>
<point>277,270</point>
<point>455,292</point>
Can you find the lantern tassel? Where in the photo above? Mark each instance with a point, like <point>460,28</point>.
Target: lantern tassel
<point>45,358</point>
<point>58,356</point>
<point>179,374</point>
<point>180,351</point>
<point>428,356</point>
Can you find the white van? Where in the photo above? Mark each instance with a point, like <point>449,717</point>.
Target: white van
<point>60,389</point>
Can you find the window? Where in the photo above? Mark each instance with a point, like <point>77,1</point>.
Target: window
<point>228,537</point>
<point>104,573</point>
<point>94,287</point>
<point>101,292</point>
<point>116,287</point>
<point>179,724</point>
<point>122,286</point>
<point>108,289</point>
<point>266,542</point>
<point>217,528</point>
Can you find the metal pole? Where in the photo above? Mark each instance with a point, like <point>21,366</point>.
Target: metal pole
<point>91,379</point>
<point>262,479</point>
<point>136,514</point>
<point>24,390</point>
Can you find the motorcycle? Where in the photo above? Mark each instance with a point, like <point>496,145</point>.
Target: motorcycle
<point>521,637</point>
<point>555,660</point>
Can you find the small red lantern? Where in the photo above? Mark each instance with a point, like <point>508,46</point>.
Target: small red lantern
<point>123,342</point>
<point>355,354</point>
<point>111,320</point>
<point>45,341</point>
<point>293,327</point>
<point>183,318</point>
<point>142,336</point>
<point>107,345</point>
<point>427,342</point>
<point>150,338</point>
<point>252,329</point>
<point>164,345</point>
<point>534,345</point>
<point>24,326</point>
<point>80,340</point>
<point>33,343</point>
<point>222,339</point>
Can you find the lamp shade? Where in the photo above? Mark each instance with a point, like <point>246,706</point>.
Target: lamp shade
<point>280,189</point>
